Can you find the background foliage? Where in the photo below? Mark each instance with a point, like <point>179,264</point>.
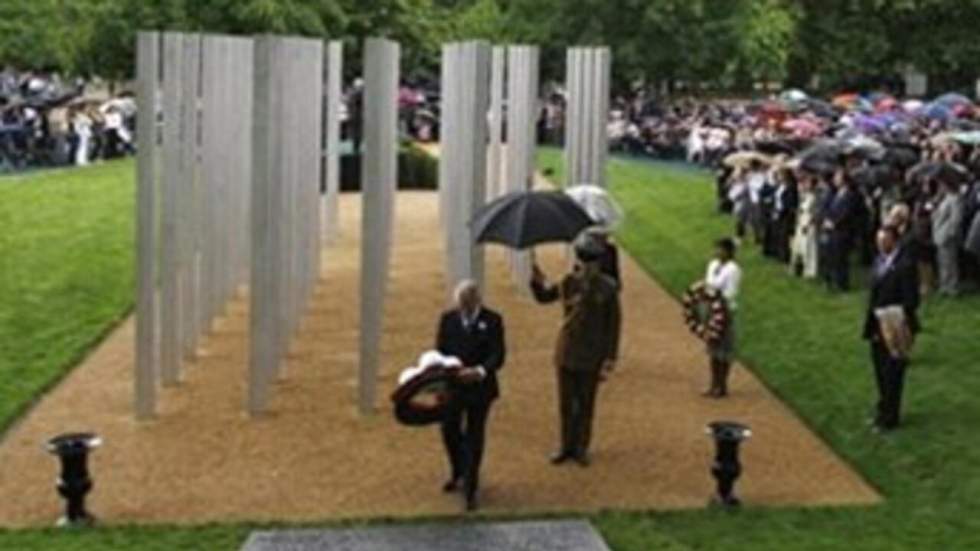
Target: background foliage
<point>716,43</point>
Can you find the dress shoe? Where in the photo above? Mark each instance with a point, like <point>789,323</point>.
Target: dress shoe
<point>451,486</point>
<point>472,504</point>
<point>560,457</point>
<point>880,429</point>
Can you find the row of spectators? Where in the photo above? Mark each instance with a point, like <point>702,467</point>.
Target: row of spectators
<point>46,122</point>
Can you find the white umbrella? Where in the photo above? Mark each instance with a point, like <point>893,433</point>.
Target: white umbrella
<point>598,203</point>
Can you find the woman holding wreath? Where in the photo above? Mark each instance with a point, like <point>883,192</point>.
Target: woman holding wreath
<point>722,279</point>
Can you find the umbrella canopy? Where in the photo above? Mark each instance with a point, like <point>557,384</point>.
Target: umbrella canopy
<point>598,204</point>
<point>774,147</point>
<point>952,99</point>
<point>865,147</point>
<point>793,96</point>
<point>821,108</point>
<point>937,111</point>
<point>939,170</point>
<point>912,106</point>
<point>886,103</point>
<point>901,156</point>
<point>845,101</point>
<point>527,218</point>
<point>803,127</point>
<point>969,138</point>
<point>873,176</point>
<point>822,157</point>
<point>746,158</point>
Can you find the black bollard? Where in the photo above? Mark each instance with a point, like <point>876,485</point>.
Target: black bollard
<point>74,483</point>
<point>726,468</point>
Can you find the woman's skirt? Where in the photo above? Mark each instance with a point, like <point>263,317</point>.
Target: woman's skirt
<point>723,350</point>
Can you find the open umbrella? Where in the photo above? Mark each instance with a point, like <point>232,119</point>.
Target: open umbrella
<point>526,218</point>
<point>937,111</point>
<point>803,127</point>
<point>821,108</point>
<point>968,138</point>
<point>845,101</point>
<point>793,96</point>
<point>774,147</point>
<point>939,170</point>
<point>912,106</point>
<point>952,99</point>
<point>901,155</point>
<point>746,158</point>
<point>822,157</point>
<point>598,203</point>
<point>864,147</point>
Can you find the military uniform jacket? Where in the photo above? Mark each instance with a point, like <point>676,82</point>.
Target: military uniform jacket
<point>590,327</point>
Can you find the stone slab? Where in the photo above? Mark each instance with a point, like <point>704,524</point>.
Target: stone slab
<point>507,536</point>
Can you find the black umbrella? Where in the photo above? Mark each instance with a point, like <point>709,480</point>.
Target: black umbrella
<point>526,218</point>
<point>818,166</point>
<point>821,108</point>
<point>822,157</point>
<point>823,150</point>
<point>774,147</point>
<point>939,170</point>
<point>902,156</point>
<point>871,177</point>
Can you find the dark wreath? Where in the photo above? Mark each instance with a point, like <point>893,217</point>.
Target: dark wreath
<point>427,397</point>
<point>705,312</point>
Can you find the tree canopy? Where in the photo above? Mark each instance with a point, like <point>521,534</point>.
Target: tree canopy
<point>722,43</point>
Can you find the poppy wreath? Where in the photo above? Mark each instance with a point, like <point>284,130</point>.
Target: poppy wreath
<point>427,397</point>
<point>705,312</point>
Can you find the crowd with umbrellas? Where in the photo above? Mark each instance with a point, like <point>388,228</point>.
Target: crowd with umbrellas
<point>47,122</point>
<point>810,181</point>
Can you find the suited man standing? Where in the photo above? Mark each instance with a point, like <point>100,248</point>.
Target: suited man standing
<point>839,227</point>
<point>946,235</point>
<point>894,283</point>
<point>475,335</point>
<point>588,343</point>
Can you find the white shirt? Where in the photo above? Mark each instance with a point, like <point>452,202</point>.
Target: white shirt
<point>757,180</point>
<point>726,279</point>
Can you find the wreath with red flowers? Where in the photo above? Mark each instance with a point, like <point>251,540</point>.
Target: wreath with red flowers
<point>427,397</point>
<point>705,312</point>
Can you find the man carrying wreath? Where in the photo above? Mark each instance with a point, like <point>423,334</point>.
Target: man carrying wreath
<point>475,335</point>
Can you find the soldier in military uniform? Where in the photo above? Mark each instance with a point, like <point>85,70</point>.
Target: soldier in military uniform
<point>587,345</point>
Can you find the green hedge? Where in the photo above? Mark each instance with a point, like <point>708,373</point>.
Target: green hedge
<point>416,170</point>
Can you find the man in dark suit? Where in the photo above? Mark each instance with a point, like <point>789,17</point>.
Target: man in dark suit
<point>587,346</point>
<point>894,283</point>
<point>839,223</point>
<point>475,335</point>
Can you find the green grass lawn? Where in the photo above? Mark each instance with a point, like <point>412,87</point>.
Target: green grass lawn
<point>804,342</point>
<point>801,340</point>
<point>66,272</point>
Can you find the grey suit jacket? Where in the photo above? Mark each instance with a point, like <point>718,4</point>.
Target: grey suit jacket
<point>946,220</point>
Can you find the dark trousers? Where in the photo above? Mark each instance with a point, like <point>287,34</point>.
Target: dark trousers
<point>464,444</point>
<point>839,273</point>
<point>890,378</point>
<point>576,405</point>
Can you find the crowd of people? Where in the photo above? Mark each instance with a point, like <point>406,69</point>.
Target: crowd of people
<point>46,122</point>
<point>811,182</point>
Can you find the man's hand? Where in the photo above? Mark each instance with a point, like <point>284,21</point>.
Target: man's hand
<point>537,276</point>
<point>470,375</point>
<point>607,368</point>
